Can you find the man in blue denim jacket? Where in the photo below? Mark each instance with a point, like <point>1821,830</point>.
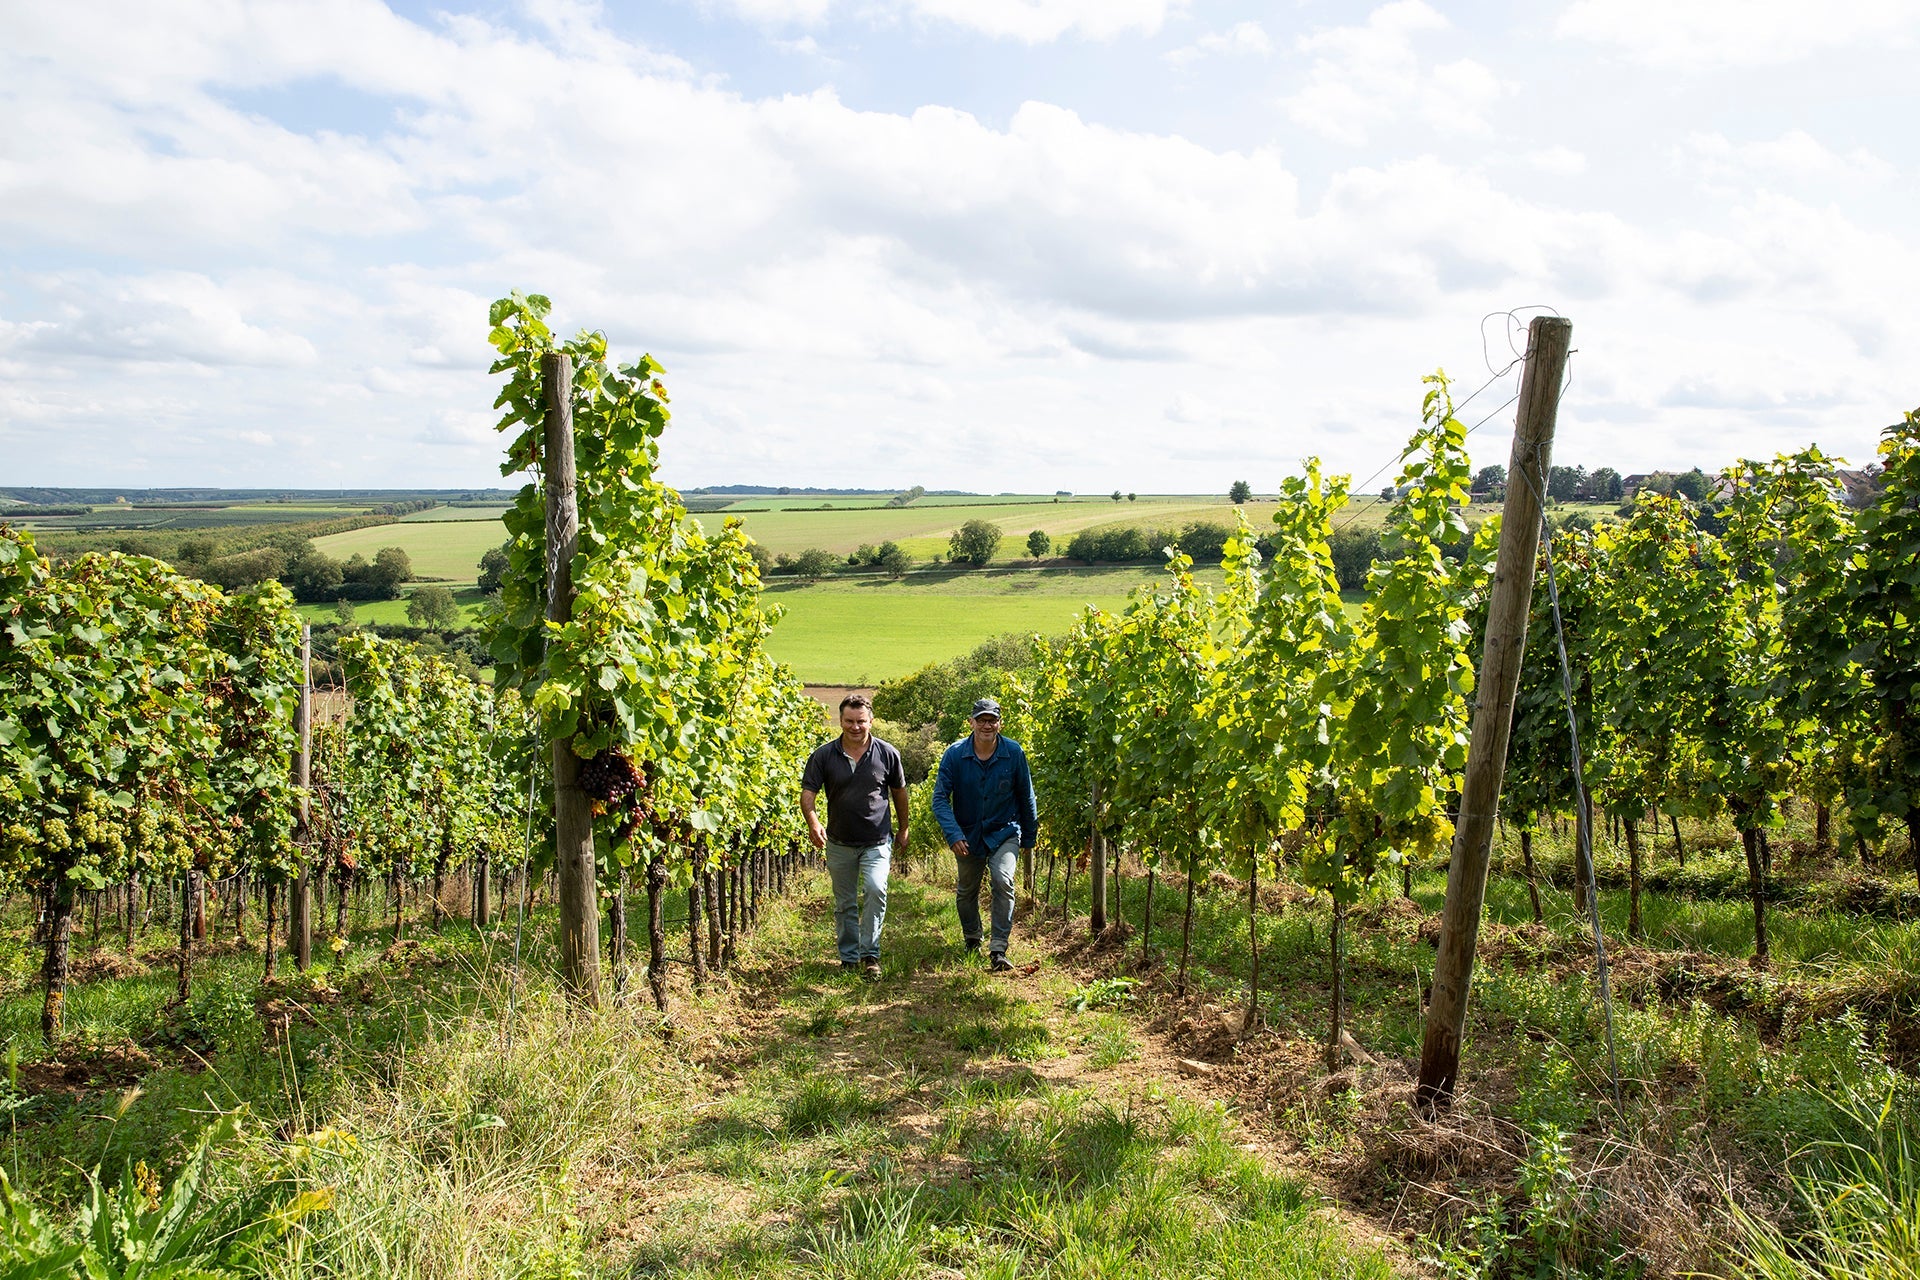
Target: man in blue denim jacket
<point>983,799</point>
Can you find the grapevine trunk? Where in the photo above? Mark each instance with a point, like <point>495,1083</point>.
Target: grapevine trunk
<point>59,957</point>
<point>1633,879</point>
<point>1533,877</point>
<point>656,934</point>
<point>1757,887</point>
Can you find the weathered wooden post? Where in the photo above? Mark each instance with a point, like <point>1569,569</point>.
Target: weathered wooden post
<point>1548,339</point>
<point>573,819</point>
<point>300,909</point>
<point>1098,850</point>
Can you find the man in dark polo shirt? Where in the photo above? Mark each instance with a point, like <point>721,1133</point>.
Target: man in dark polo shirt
<point>858,772</point>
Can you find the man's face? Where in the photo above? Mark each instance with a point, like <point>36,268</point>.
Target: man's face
<point>986,728</point>
<point>856,722</point>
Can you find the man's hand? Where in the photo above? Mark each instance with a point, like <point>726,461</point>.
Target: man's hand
<point>900,840</point>
<point>959,847</point>
<point>817,834</point>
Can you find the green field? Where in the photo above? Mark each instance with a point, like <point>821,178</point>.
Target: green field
<point>444,543</point>
<point>444,549</point>
<point>923,530</point>
<point>185,517</point>
<point>489,512</point>
<point>392,612</point>
<point>864,630</point>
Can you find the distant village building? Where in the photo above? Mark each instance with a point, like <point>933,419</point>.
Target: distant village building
<point>1862,488</point>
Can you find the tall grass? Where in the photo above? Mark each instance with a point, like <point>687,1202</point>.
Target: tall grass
<point>467,1163</point>
<point>1858,1205</point>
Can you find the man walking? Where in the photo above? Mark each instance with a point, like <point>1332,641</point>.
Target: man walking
<point>983,798</point>
<point>858,772</point>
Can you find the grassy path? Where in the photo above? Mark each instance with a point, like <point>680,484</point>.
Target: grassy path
<point>942,1122</point>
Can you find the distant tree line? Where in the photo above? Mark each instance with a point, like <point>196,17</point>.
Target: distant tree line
<point>1574,483</point>
<point>815,563</point>
<point>1204,540</point>
<point>312,575</point>
<point>209,543</point>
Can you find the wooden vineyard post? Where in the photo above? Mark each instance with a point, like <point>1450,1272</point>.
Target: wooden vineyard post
<point>573,820</point>
<point>1099,869</point>
<point>300,909</point>
<point>1548,339</point>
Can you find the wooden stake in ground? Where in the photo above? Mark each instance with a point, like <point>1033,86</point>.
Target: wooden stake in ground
<point>1098,920</point>
<point>656,933</point>
<point>1338,965</point>
<point>1186,927</point>
<point>189,903</point>
<point>1146,925</point>
<point>617,942</point>
<point>1533,877</point>
<point>573,819</point>
<point>300,905</point>
<point>1248,1023</point>
<point>1632,827</point>
<point>694,910</point>
<point>1757,891</point>
<point>1548,339</point>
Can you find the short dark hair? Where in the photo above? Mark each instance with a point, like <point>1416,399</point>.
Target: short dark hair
<point>856,700</point>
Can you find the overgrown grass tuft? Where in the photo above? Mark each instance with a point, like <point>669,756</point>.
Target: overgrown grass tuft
<point>1858,1204</point>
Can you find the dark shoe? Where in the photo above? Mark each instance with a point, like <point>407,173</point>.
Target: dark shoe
<point>848,966</point>
<point>871,968</point>
<point>1000,963</point>
<point>973,946</point>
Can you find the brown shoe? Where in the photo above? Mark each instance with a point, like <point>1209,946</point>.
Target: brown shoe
<point>871,968</point>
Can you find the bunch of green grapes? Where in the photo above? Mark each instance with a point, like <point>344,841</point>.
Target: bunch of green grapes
<point>160,835</point>
<point>101,828</point>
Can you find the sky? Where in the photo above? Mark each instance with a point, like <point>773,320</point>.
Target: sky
<point>996,245</point>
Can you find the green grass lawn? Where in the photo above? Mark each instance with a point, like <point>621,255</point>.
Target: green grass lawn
<point>864,630</point>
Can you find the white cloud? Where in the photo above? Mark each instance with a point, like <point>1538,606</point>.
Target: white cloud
<point>1558,160</point>
<point>1365,78</point>
<point>461,428</point>
<point>1025,298</point>
<point>1035,21</point>
<point>1029,21</point>
<point>1241,39</point>
<point>804,47</point>
<point>157,319</point>
<point>1795,158</point>
<point>1696,34</point>
<point>804,13</point>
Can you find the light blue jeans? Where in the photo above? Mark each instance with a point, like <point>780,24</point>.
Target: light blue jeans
<point>857,925</point>
<point>997,866</point>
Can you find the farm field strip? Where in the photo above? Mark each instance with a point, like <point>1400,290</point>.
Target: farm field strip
<point>393,612</point>
<point>864,630</point>
<point>450,547</point>
<point>455,515</point>
<point>445,549</point>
